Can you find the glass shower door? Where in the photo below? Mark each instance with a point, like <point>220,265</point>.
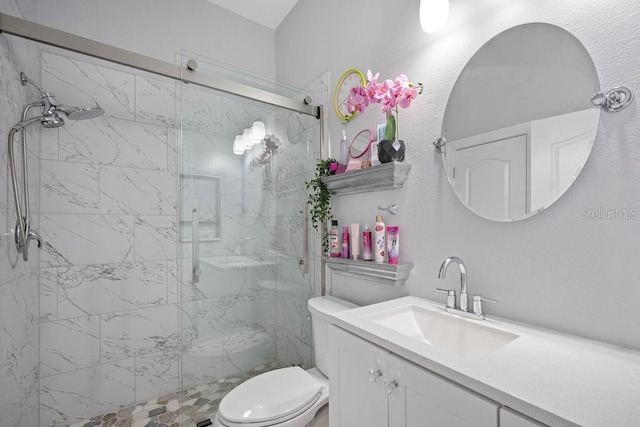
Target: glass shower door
<point>244,274</point>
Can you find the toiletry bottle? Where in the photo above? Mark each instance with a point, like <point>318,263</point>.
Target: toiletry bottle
<point>345,242</point>
<point>374,154</point>
<point>393,243</point>
<point>344,153</point>
<point>355,241</point>
<point>378,244</point>
<point>335,251</point>
<point>367,248</point>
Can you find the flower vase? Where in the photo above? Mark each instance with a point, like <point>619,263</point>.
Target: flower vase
<point>391,150</point>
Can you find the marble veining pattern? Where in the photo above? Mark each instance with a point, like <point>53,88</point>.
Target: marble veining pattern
<point>156,101</point>
<point>80,239</point>
<point>68,397</point>
<point>79,83</point>
<point>69,345</point>
<point>19,314</point>
<point>137,191</point>
<point>114,142</point>
<point>105,288</point>
<point>69,187</point>
<point>185,408</point>
<point>155,237</point>
<point>138,332</point>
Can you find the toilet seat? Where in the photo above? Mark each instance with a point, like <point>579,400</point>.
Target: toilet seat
<point>259,402</point>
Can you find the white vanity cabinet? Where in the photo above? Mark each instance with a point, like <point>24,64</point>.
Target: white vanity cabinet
<point>510,418</point>
<point>372,387</point>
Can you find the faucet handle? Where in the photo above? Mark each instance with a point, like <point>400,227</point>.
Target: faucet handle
<point>451,297</point>
<point>477,304</point>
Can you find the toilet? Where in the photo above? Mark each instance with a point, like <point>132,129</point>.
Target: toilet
<point>286,397</point>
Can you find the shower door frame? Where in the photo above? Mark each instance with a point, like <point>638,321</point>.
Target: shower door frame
<point>61,39</point>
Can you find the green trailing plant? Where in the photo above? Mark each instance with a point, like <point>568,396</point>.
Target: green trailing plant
<point>320,199</point>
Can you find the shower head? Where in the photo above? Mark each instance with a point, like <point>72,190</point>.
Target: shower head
<point>51,109</point>
<point>80,113</point>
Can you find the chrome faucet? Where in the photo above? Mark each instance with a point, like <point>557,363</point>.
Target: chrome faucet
<point>463,303</point>
<point>462,306</point>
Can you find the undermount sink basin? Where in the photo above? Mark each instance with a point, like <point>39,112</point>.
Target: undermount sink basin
<point>465,338</point>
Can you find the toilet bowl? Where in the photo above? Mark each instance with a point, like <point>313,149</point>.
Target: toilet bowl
<point>286,397</point>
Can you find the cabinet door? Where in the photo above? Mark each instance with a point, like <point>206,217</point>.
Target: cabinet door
<point>424,399</point>
<point>510,418</point>
<point>354,399</point>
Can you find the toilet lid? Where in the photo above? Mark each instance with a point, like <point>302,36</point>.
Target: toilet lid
<point>270,396</point>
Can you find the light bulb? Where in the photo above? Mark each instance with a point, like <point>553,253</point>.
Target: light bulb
<point>433,15</point>
<point>258,131</point>
<point>238,146</point>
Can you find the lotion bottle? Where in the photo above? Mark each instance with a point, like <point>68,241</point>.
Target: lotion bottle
<point>345,242</point>
<point>393,243</point>
<point>367,248</point>
<point>355,241</point>
<point>379,234</point>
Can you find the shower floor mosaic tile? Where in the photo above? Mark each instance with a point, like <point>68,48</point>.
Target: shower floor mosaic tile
<point>185,408</point>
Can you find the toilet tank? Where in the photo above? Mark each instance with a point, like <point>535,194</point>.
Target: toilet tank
<point>321,308</point>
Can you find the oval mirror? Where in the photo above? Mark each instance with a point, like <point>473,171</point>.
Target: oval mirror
<point>519,124</point>
<point>360,144</point>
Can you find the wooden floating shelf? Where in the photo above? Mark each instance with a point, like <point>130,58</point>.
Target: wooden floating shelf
<point>386,176</point>
<point>388,274</point>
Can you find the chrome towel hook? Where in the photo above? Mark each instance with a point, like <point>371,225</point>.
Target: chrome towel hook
<point>613,101</point>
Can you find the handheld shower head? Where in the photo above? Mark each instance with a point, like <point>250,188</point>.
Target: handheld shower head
<point>49,121</point>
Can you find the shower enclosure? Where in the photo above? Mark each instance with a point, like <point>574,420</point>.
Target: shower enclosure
<point>176,257</point>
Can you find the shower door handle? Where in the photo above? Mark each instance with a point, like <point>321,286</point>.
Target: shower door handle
<point>305,239</point>
<point>195,242</point>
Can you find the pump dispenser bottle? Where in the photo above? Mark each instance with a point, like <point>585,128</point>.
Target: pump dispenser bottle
<point>335,251</point>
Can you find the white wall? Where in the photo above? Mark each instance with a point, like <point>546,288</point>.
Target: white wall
<point>162,28</point>
<point>556,269</point>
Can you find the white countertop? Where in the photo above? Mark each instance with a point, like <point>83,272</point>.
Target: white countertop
<point>555,378</point>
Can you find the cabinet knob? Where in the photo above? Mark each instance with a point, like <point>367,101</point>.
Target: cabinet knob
<point>389,386</point>
<point>374,375</point>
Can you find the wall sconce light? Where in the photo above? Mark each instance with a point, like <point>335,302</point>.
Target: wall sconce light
<point>433,15</point>
<point>249,137</point>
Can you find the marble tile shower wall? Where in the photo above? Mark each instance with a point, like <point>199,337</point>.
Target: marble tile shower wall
<point>108,277</point>
<point>19,338</point>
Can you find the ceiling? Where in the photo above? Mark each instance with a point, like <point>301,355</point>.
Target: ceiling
<point>269,13</point>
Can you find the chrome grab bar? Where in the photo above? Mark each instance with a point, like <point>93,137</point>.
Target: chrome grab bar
<point>195,242</point>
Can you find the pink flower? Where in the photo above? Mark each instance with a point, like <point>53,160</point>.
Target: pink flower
<point>358,100</point>
<point>406,96</point>
<point>390,93</point>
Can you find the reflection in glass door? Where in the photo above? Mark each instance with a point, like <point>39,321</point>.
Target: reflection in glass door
<point>243,249</point>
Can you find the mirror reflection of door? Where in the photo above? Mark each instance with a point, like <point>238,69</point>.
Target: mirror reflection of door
<point>491,176</point>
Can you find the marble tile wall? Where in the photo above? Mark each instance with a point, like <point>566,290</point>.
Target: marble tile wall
<point>19,332</point>
<point>109,313</point>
